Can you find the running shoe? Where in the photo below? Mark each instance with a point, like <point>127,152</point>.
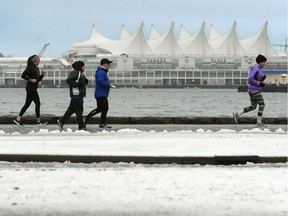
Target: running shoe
<point>60,124</point>
<point>19,123</point>
<point>104,126</point>
<point>235,117</point>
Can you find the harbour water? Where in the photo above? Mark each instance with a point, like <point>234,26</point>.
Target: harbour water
<point>139,102</point>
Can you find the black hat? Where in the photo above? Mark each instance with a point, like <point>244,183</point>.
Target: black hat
<point>105,61</point>
<point>261,58</point>
<point>77,65</point>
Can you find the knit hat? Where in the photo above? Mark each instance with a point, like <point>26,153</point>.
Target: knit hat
<point>77,65</point>
<point>261,58</point>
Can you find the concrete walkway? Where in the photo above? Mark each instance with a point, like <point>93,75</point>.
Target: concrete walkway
<point>18,144</point>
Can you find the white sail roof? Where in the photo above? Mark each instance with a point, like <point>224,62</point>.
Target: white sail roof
<point>136,44</point>
<point>89,47</point>
<point>166,44</point>
<point>258,43</point>
<point>124,33</point>
<point>153,33</point>
<point>183,33</point>
<point>197,44</point>
<point>213,33</point>
<point>228,44</point>
<point>96,36</point>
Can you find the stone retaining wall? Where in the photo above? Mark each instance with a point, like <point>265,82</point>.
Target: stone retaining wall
<point>51,119</point>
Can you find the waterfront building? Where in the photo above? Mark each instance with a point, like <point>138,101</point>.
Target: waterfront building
<point>162,60</point>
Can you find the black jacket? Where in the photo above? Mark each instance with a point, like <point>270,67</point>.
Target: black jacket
<point>31,72</point>
<point>74,85</point>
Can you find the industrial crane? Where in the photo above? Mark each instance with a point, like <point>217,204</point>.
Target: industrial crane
<point>43,50</point>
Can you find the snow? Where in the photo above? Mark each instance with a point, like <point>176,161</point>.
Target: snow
<point>135,142</point>
<point>129,189</point>
<point>139,189</point>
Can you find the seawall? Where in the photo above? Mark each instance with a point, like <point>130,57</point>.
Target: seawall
<point>51,119</point>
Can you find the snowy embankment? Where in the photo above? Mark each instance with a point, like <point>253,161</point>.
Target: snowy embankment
<point>128,189</point>
<point>132,142</point>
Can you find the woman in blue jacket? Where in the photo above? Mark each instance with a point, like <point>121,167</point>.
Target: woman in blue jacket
<point>102,89</point>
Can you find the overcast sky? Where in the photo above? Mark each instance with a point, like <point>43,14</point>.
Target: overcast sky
<point>26,25</point>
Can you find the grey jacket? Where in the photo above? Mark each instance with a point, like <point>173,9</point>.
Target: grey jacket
<point>77,84</point>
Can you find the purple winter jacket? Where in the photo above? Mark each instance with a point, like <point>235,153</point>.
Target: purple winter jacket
<point>254,78</point>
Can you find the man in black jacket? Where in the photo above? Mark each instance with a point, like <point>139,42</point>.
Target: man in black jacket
<point>77,85</point>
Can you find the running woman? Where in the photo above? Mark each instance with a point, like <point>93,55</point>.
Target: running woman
<point>33,76</point>
<point>256,82</point>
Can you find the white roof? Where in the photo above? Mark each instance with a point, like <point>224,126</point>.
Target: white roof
<point>258,43</point>
<point>196,44</point>
<point>153,33</point>
<point>137,43</point>
<point>183,33</point>
<point>167,44</point>
<point>228,44</point>
<point>124,33</point>
<point>213,33</point>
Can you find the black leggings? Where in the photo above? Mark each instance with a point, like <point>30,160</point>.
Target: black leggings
<point>102,107</point>
<point>31,95</point>
<point>256,98</point>
<point>75,106</point>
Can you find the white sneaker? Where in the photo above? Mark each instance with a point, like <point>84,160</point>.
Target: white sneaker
<point>60,125</point>
<point>235,117</point>
<point>41,123</point>
<point>19,123</point>
<point>261,125</point>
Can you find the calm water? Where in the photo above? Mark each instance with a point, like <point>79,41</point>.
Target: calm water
<point>148,102</point>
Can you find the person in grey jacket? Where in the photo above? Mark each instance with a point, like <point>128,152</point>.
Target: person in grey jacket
<point>77,87</point>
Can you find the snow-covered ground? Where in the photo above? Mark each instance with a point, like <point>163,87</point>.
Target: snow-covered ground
<point>138,189</point>
<point>129,189</point>
<point>141,143</point>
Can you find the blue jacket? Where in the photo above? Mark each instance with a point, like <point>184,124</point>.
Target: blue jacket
<point>254,78</point>
<point>102,85</point>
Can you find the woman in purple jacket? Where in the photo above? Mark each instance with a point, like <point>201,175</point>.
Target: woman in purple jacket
<point>256,78</point>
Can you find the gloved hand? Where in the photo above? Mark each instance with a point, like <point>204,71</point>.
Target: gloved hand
<point>262,84</point>
<point>86,81</point>
<point>264,77</point>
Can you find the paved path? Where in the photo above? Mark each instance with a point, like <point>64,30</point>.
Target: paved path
<point>231,145</point>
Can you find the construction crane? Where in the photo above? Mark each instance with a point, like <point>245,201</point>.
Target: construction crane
<point>283,45</point>
<point>43,50</point>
